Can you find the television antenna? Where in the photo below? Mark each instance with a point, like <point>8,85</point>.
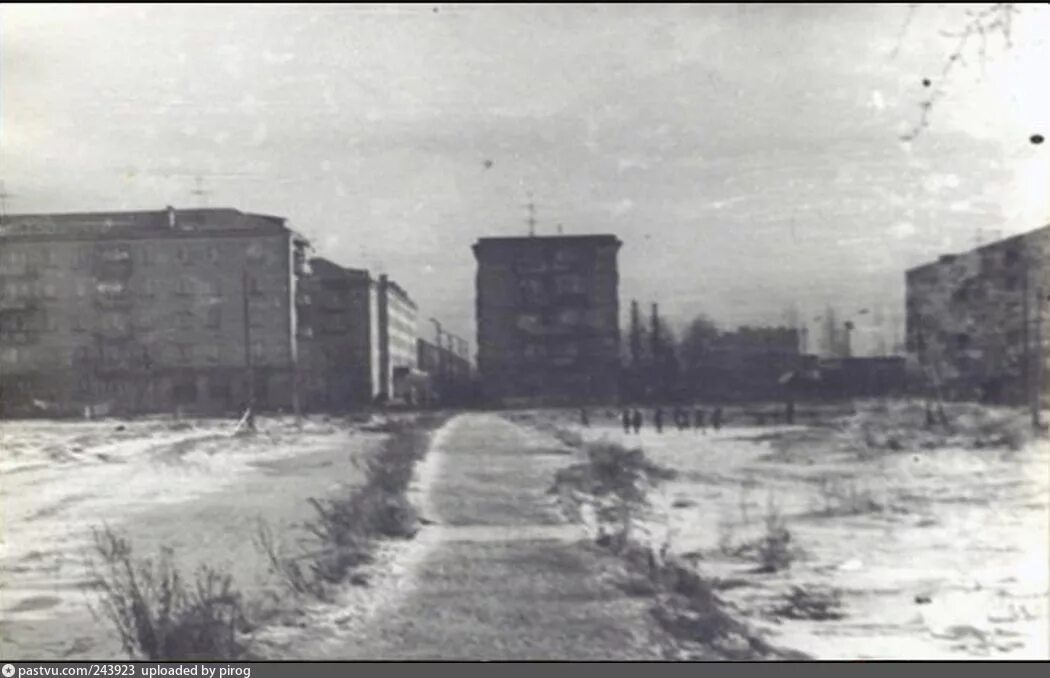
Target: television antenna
<point>531,206</point>
<point>4,195</point>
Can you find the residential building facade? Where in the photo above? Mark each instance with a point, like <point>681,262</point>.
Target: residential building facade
<point>149,311</point>
<point>977,321</point>
<point>548,319</point>
<point>361,345</point>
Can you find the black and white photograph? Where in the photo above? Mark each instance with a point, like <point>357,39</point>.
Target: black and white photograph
<point>523,333</point>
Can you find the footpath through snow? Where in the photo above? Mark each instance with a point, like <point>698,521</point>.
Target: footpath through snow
<point>500,574</point>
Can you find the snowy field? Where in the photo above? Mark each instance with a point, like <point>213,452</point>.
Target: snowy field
<point>189,485</point>
<point>933,553</point>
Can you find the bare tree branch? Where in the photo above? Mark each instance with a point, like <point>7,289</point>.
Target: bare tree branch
<point>980,24</point>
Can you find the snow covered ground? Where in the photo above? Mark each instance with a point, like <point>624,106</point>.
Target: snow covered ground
<point>934,553</point>
<point>189,485</point>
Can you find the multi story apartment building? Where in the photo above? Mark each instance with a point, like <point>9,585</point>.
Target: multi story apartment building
<point>149,311</point>
<point>977,321</point>
<point>548,319</point>
<point>448,369</point>
<point>330,338</point>
<point>361,337</point>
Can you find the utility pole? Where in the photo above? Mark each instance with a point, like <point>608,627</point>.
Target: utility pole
<point>440,376</point>
<point>657,349</point>
<point>248,367</point>
<point>532,216</point>
<point>4,195</point>
<point>1037,372</point>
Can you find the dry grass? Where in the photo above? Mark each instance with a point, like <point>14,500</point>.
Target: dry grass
<point>341,536</point>
<point>811,604</point>
<point>902,425</point>
<point>161,616</point>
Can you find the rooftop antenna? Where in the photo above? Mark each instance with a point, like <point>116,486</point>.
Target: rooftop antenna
<point>199,191</point>
<point>532,216</point>
<point>4,195</point>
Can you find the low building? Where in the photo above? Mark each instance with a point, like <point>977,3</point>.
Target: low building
<point>748,364</point>
<point>977,321</point>
<point>149,311</point>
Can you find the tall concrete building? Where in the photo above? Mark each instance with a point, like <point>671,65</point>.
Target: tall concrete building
<point>548,319</point>
<point>148,311</point>
<point>977,321</point>
<point>362,337</point>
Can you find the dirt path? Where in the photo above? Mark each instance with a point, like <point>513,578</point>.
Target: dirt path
<point>501,575</point>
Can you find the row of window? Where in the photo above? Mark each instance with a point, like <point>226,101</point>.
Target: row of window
<point>83,288</point>
<point>18,260</point>
<point>115,356</point>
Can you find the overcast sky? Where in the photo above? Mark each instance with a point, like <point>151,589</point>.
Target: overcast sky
<point>748,157</point>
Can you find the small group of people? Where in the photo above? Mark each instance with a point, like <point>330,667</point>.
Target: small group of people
<point>632,419</point>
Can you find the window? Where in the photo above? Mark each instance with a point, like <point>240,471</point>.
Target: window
<point>214,318</point>
<point>213,254</point>
<point>152,287</point>
<point>9,355</point>
<point>258,354</point>
<point>182,287</point>
<point>82,288</point>
<point>532,291</point>
<point>569,284</point>
<point>254,288</point>
<point>211,288</point>
<point>50,292</point>
<point>185,353</point>
<point>184,254</point>
<point>185,320</point>
<point>210,353</point>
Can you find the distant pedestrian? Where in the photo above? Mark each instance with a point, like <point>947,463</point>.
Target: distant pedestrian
<point>658,420</point>
<point>626,421</point>
<point>636,421</point>
<point>699,422</point>
<point>678,418</point>
<point>716,418</point>
<point>789,412</point>
<point>584,420</point>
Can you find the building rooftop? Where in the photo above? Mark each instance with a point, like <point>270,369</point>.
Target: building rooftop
<point>1003,242</point>
<point>135,224</point>
<point>597,238</point>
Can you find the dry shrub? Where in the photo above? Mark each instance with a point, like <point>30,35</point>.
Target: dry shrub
<point>812,604</point>
<point>845,498</point>
<point>341,536</point>
<point>772,551</point>
<point>161,616</point>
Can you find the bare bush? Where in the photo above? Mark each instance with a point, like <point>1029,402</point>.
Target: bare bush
<point>773,552</point>
<point>341,536</point>
<point>844,498</point>
<point>157,613</point>
<point>812,604</point>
